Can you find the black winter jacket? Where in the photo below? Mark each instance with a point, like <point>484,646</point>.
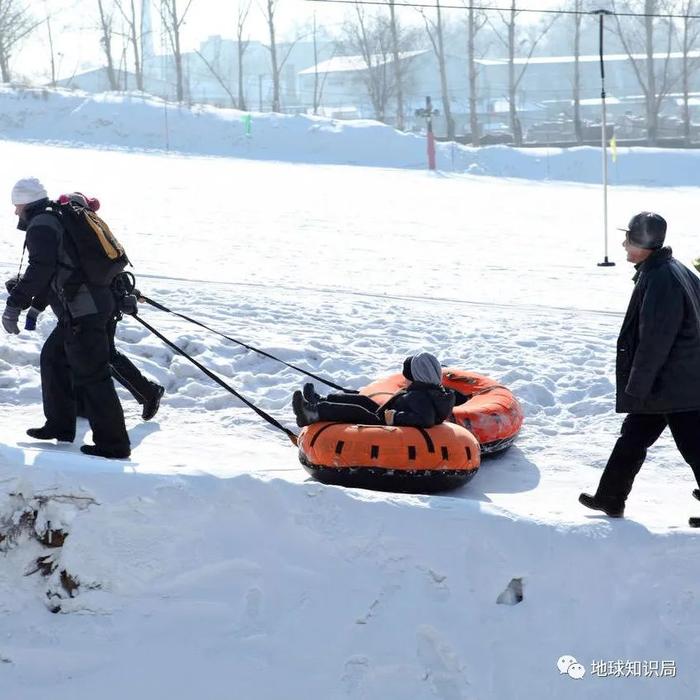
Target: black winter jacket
<point>658,350</point>
<point>420,405</point>
<point>51,265</point>
<point>41,242</point>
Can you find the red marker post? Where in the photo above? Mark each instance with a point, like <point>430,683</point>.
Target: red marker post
<point>429,113</point>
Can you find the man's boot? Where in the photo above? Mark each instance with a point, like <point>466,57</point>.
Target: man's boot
<point>106,452</point>
<point>152,403</point>
<point>48,433</point>
<point>613,509</point>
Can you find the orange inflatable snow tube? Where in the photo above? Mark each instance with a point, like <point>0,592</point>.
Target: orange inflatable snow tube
<point>492,413</point>
<point>390,458</point>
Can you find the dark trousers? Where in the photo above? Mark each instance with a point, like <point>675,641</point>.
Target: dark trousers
<point>639,432</point>
<point>124,370</point>
<point>349,408</point>
<point>77,356</point>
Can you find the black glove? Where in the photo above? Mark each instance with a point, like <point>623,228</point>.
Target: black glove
<point>10,318</point>
<point>12,283</point>
<point>128,304</point>
<point>31,318</point>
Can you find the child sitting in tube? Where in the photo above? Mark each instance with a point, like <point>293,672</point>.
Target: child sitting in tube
<point>422,404</point>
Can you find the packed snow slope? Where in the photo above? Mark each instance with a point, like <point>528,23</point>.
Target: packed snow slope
<point>209,565</point>
<point>138,121</point>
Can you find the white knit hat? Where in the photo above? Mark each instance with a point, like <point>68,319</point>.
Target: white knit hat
<point>28,190</point>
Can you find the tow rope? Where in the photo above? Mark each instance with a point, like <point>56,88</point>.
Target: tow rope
<point>265,416</point>
<point>328,382</point>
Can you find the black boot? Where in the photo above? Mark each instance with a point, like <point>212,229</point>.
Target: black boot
<point>152,403</point>
<point>106,452</point>
<point>49,433</point>
<point>610,508</point>
<point>310,394</point>
<point>305,413</point>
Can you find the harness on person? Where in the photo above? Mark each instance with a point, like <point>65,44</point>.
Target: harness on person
<point>99,255</point>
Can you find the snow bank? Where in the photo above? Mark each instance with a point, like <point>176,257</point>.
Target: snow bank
<point>266,589</point>
<point>141,122</point>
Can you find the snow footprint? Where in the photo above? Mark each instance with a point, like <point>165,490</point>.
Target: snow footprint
<point>251,624</point>
<point>442,667</point>
<point>356,668</point>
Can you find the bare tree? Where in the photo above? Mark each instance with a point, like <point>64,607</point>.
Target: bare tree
<point>398,68</point>
<point>578,19</point>
<point>690,32</point>
<point>50,34</point>
<point>242,45</point>
<point>16,23</point>
<point>319,78</point>
<point>370,37</point>
<point>476,19</point>
<point>133,24</point>
<point>637,35</point>
<point>172,20</point>
<point>434,28</point>
<point>269,11</point>
<point>106,42</point>
<point>511,42</point>
<point>219,79</point>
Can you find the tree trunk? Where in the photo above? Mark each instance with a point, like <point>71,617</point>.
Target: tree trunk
<point>578,127</point>
<point>273,56</point>
<point>241,96</point>
<point>471,50</point>
<point>652,112</point>
<point>241,48</point>
<point>4,67</point>
<point>135,41</point>
<point>398,71</point>
<point>686,78</point>
<point>443,77</point>
<point>107,45</point>
<point>514,121</point>
<point>178,54</point>
<point>316,96</point>
<point>53,61</point>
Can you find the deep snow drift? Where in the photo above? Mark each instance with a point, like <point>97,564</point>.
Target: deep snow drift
<point>138,121</point>
<point>209,566</point>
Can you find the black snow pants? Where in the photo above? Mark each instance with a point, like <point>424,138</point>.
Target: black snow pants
<point>76,355</point>
<point>125,371</point>
<point>349,408</point>
<point>639,432</point>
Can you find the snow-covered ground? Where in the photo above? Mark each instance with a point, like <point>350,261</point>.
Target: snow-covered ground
<point>210,566</point>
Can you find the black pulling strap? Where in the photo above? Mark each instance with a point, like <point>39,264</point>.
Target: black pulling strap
<point>220,382</point>
<point>248,347</point>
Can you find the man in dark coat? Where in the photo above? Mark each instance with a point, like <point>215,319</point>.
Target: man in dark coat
<point>658,363</point>
<point>76,354</point>
<point>423,404</point>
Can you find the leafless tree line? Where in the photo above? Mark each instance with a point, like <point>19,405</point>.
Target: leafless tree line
<point>384,45</point>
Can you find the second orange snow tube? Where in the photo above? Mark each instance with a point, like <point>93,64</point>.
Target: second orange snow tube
<point>492,413</point>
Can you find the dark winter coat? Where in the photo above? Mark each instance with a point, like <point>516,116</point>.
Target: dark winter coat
<point>658,350</point>
<point>51,269</point>
<point>420,405</point>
